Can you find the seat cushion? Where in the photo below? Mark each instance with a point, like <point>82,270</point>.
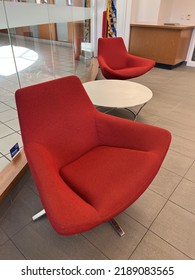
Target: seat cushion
<point>131,72</point>
<point>110,178</point>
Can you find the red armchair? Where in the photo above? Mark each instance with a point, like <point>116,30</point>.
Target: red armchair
<point>87,166</point>
<point>116,63</point>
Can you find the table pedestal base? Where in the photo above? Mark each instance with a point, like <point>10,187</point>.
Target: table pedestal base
<point>135,114</point>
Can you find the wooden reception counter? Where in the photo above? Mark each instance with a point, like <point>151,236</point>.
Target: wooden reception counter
<point>166,44</point>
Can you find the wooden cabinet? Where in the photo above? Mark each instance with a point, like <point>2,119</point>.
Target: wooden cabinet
<point>162,43</point>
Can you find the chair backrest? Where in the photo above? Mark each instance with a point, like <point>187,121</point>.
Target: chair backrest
<point>59,115</point>
<point>113,51</point>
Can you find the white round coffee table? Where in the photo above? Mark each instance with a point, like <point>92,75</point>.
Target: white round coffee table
<point>118,94</point>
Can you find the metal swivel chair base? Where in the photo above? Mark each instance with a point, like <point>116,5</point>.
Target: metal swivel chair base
<point>38,215</point>
<point>117,227</point>
<point>113,222</point>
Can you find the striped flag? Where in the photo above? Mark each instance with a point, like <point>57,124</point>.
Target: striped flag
<point>111,18</point>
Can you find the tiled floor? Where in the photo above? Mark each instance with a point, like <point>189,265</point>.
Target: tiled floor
<point>159,225</point>
<point>42,70</point>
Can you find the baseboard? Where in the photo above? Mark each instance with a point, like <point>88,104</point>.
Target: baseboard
<point>169,66</point>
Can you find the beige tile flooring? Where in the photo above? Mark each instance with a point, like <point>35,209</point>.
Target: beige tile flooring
<point>159,225</point>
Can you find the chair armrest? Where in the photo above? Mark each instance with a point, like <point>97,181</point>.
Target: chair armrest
<point>104,66</point>
<point>64,208</point>
<point>118,132</point>
<point>133,61</point>
<point>110,73</point>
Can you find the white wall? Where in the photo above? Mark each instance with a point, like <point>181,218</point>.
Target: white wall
<point>165,11</point>
<point>180,11</point>
<point>160,11</point>
<point>145,11</point>
<point>123,19</point>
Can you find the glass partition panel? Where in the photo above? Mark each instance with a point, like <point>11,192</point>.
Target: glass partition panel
<point>193,55</point>
<point>31,41</point>
<point>191,51</point>
<point>82,34</point>
<point>9,82</point>
<point>40,40</point>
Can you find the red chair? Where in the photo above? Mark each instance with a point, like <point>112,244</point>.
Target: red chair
<point>88,166</point>
<point>116,63</point>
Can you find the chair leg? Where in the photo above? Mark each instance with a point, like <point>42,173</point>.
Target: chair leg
<point>117,227</point>
<point>113,222</point>
<point>38,215</point>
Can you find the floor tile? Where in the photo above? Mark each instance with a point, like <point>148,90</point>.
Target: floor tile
<point>10,85</point>
<point>4,206</point>
<point>153,247</point>
<point>4,94</point>
<point>8,115</point>
<point>183,130</point>
<point>146,208</point>
<point>38,240</point>
<point>177,163</point>
<point>3,107</point>
<point>8,251</point>
<point>172,99</point>
<point>183,115</point>
<point>20,189</point>
<point>3,163</point>
<point>21,211</point>
<point>14,124</point>
<point>165,182</point>
<point>147,117</point>
<point>189,102</point>
<point>31,184</point>
<point>5,130</point>
<point>108,241</point>
<point>176,226</point>
<point>158,107</point>
<point>184,195</point>
<point>6,143</point>
<point>183,146</point>
<point>191,173</point>
<point>3,237</point>
<point>11,102</point>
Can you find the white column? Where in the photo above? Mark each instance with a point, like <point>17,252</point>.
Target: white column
<point>123,19</point>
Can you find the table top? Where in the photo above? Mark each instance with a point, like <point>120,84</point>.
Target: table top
<point>117,93</point>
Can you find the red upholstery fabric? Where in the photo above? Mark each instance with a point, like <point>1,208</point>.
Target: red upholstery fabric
<point>104,24</point>
<point>104,182</point>
<point>56,109</point>
<point>87,166</point>
<point>116,63</point>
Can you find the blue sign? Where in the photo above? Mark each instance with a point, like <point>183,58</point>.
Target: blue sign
<point>14,150</point>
